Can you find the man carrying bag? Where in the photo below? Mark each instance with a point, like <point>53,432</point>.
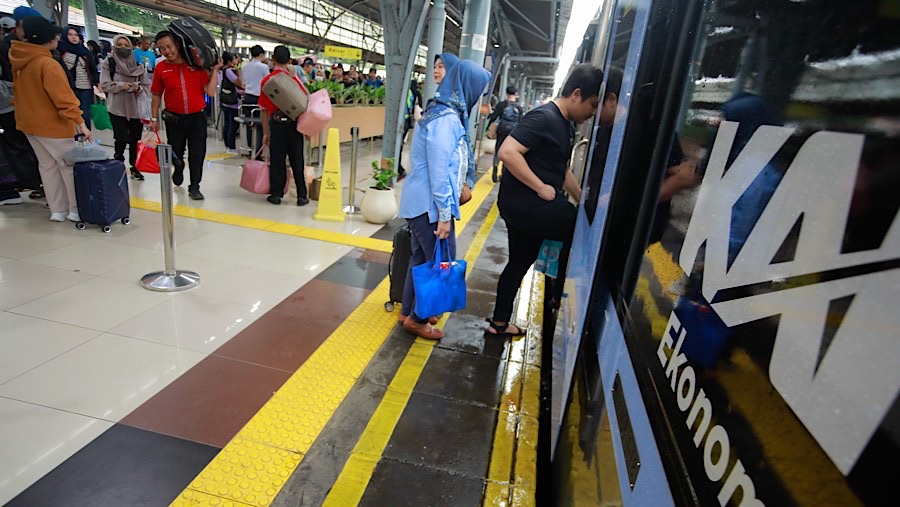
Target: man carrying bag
<point>280,129</point>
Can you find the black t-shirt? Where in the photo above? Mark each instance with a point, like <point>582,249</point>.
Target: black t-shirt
<point>548,135</point>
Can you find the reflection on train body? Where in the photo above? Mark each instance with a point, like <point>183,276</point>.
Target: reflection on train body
<point>735,272</point>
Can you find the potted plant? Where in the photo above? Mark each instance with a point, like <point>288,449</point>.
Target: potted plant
<point>379,206</point>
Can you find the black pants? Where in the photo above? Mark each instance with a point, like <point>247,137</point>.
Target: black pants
<point>253,100</point>
<point>126,133</point>
<point>188,131</point>
<point>18,152</point>
<point>285,141</point>
<point>527,229</point>
<point>230,128</point>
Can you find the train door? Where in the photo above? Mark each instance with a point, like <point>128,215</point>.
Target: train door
<point>743,308</point>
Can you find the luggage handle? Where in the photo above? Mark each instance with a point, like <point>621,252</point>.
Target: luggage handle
<point>265,151</point>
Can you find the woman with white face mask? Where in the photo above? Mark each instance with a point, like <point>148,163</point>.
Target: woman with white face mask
<point>126,83</point>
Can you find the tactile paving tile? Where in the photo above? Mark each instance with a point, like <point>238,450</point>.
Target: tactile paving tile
<point>191,498</point>
<point>246,472</point>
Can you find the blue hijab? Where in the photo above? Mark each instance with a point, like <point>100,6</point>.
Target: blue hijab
<point>67,47</point>
<point>458,93</point>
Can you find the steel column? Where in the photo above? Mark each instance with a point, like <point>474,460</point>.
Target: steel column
<point>436,21</point>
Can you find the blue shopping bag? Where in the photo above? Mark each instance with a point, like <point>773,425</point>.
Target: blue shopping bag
<point>548,258</point>
<point>440,283</point>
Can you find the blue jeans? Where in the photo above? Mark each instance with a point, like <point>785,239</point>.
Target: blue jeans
<point>423,240</point>
<point>86,98</point>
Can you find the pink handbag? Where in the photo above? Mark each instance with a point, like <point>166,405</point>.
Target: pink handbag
<point>255,175</point>
<point>317,115</point>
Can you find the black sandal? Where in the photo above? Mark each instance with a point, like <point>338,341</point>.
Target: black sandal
<point>495,330</point>
<point>37,194</point>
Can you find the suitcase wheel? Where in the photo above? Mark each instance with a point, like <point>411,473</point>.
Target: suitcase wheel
<point>389,306</point>
<point>106,228</point>
<point>80,226</point>
<point>126,221</point>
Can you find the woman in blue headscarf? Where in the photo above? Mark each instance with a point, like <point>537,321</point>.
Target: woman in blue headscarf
<point>443,166</point>
<point>81,67</point>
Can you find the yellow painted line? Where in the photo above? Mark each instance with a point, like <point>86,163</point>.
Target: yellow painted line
<point>796,459</point>
<point>269,226</point>
<point>354,478</point>
<point>253,467</point>
<point>482,189</point>
<point>512,472</point>
<point>219,156</point>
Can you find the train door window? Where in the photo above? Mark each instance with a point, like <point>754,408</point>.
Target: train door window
<point>765,306</point>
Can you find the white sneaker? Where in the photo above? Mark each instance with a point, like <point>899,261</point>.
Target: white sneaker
<point>231,152</point>
<point>74,217</point>
<point>11,200</point>
<point>58,217</point>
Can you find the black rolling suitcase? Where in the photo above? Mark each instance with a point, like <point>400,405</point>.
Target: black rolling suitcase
<point>198,44</point>
<point>399,266</point>
<point>102,191</point>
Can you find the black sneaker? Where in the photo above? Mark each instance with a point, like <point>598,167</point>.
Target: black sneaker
<point>302,201</point>
<point>195,195</point>
<point>274,199</point>
<point>136,174</point>
<point>178,177</point>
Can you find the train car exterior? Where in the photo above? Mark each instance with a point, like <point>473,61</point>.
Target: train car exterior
<point>729,329</point>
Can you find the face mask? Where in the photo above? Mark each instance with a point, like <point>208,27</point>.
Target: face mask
<point>123,52</point>
<point>320,78</point>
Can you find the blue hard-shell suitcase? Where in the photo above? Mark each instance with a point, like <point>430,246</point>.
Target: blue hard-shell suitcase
<point>102,192</point>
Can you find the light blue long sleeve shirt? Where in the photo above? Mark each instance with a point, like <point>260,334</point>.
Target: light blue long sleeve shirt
<point>439,167</point>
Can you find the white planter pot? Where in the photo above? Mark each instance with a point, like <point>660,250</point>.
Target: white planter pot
<point>379,206</point>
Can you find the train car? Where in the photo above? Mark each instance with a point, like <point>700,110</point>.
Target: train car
<point>728,330</point>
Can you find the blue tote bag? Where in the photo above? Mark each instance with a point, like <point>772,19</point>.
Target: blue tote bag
<point>440,283</point>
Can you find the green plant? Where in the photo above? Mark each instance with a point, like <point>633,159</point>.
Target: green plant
<point>383,176</point>
<point>378,95</point>
<point>359,94</point>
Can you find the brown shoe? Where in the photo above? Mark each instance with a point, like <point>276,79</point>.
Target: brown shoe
<point>424,330</point>
<point>431,320</point>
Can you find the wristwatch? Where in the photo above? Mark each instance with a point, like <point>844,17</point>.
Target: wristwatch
<point>154,119</point>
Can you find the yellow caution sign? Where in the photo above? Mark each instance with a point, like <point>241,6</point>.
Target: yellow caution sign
<point>343,52</point>
<point>330,197</point>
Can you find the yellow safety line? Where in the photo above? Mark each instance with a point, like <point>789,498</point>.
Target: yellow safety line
<point>808,474</point>
<point>253,467</point>
<point>479,194</point>
<point>354,478</point>
<point>512,473</point>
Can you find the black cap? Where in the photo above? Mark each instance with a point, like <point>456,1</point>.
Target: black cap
<point>38,30</point>
<point>511,90</point>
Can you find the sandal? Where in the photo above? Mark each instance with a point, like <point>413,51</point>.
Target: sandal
<point>496,330</point>
<point>37,194</point>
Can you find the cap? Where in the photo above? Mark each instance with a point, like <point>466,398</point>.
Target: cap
<point>511,90</point>
<point>38,30</point>
<point>7,22</point>
<point>23,11</point>
<point>337,66</point>
<point>308,61</point>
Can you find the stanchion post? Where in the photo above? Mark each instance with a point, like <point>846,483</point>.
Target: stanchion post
<point>352,208</point>
<point>169,280</point>
<point>321,144</point>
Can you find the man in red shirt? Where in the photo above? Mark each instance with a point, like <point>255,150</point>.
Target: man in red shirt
<point>281,136</point>
<point>184,89</point>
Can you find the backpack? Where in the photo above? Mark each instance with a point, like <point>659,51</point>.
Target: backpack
<point>509,117</point>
